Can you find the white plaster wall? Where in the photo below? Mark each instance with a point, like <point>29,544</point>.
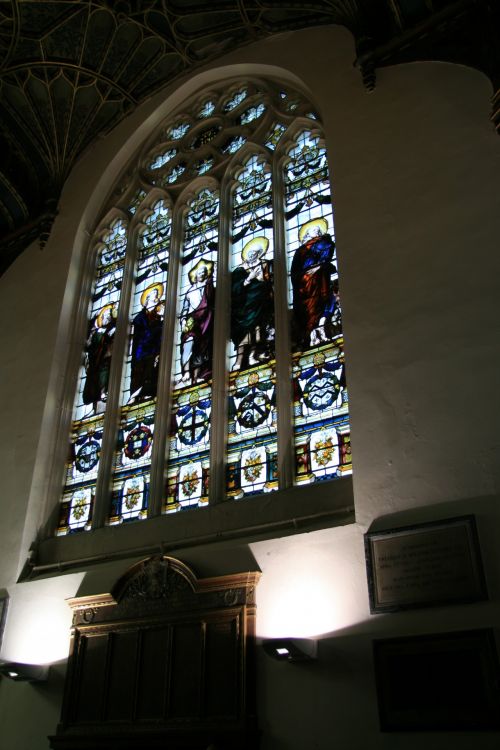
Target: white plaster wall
<point>414,167</point>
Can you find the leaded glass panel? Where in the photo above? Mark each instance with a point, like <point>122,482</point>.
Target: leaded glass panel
<point>189,455</point>
<point>206,110</point>
<point>235,100</point>
<point>252,113</point>
<point>136,200</point>
<point>275,135</point>
<point>176,132</point>
<point>132,460</point>
<point>203,165</point>
<point>93,380</point>
<point>161,159</point>
<point>176,172</point>
<point>234,144</point>
<point>321,419</point>
<point>252,447</point>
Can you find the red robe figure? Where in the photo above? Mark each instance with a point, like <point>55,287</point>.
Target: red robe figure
<point>314,297</point>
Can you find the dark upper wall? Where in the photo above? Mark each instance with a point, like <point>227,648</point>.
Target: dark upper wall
<point>70,71</point>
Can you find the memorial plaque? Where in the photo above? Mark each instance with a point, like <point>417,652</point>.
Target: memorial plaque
<point>424,565</point>
<point>447,681</point>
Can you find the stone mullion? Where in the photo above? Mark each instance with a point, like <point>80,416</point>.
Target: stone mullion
<point>284,391</point>
<point>218,435</point>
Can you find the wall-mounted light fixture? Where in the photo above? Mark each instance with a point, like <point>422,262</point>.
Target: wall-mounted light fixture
<point>291,649</point>
<point>24,672</point>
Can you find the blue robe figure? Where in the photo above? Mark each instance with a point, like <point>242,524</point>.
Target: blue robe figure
<point>146,344</point>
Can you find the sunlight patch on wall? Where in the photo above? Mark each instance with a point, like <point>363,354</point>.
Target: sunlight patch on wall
<point>308,584</point>
<point>39,620</point>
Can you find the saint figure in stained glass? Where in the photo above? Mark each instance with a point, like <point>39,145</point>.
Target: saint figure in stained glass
<point>146,343</point>
<point>98,358</point>
<point>315,298</point>
<point>252,305</point>
<point>197,318</point>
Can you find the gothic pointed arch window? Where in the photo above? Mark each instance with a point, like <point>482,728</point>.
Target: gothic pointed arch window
<point>213,363</point>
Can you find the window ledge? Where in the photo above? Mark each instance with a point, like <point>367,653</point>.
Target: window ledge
<point>297,509</point>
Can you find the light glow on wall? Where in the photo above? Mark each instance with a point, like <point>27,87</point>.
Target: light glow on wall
<point>309,584</point>
<point>300,607</point>
<point>39,620</point>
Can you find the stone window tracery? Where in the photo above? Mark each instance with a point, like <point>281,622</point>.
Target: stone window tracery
<point>213,365</point>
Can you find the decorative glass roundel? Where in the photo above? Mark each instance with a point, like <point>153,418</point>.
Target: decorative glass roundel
<point>87,456</point>
<point>138,442</point>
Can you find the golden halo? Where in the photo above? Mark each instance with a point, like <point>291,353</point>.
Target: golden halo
<point>201,264</point>
<point>319,222</point>
<point>101,314</point>
<point>159,288</point>
<point>261,243</point>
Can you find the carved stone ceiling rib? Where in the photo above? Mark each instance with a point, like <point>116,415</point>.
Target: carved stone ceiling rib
<point>71,69</point>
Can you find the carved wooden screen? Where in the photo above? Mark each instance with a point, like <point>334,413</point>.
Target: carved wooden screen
<point>164,662</point>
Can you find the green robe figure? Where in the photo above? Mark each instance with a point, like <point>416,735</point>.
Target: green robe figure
<point>252,305</point>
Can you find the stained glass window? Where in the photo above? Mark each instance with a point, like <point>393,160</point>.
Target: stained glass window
<point>176,172</point>
<point>252,447</point>
<point>189,464</point>
<point>252,113</point>
<point>205,136</point>
<point>203,165</point>
<point>137,200</point>
<point>236,99</point>
<point>214,318</point>
<point>132,458</point>
<point>93,381</point>
<point>162,159</point>
<point>321,419</point>
<point>275,135</point>
<point>207,109</point>
<point>177,131</point>
<point>234,145</point>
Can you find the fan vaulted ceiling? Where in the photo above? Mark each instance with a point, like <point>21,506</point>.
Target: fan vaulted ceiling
<point>70,70</point>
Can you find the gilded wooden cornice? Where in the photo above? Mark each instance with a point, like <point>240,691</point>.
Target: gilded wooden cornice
<point>159,583</point>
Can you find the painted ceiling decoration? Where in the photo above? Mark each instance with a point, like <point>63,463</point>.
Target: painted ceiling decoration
<point>70,70</point>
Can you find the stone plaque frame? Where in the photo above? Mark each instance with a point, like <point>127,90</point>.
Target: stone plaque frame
<point>428,564</point>
<point>439,682</point>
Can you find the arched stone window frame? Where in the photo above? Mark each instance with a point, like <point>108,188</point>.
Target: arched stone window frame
<point>288,510</point>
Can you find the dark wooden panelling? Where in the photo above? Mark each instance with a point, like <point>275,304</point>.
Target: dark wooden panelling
<point>185,680</point>
<point>221,669</point>
<point>121,675</point>
<point>167,664</point>
<point>153,673</point>
<point>91,671</point>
